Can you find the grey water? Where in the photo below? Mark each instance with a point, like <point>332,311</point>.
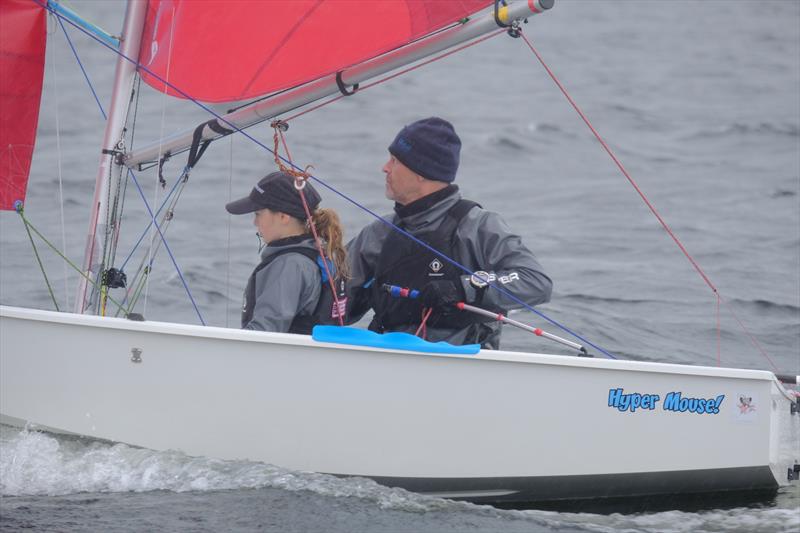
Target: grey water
<point>700,101</point>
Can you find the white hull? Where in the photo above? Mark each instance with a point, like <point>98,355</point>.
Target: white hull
<point>497,425</point>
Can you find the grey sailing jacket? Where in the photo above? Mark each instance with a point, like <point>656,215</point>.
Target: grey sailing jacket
<point>288,286</point>
<point>484,242</point>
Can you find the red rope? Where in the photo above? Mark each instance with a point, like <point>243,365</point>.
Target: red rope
<point>644,198</point>
<point>719,336</point>
<point>317,240</point>
<point>753,340</point>
<point>422,327</point>
<point>619,165</point>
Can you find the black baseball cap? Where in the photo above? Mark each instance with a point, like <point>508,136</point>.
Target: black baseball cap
<point>276,192</point>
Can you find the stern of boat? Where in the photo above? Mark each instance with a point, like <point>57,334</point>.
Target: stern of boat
<point>784,453</point>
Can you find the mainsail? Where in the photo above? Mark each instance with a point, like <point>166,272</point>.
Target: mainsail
<point>23,32</point>
<point>254,48</point>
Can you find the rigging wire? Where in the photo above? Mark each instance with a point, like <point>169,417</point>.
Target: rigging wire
<point>228,247</point>
<point>719,336</point>
<point>130,172</point>
<point>80,63</point>
<point>59,158</point>
<point>20,211</point>
<point>647,202</point>
<point>111,236</point>
<point>495,286</point>
<point>132,103</point>
<point>38,259</point>
<point>156,188</point>
<point>167,199</point>
<point>148,259</point>
<point>167,248</point>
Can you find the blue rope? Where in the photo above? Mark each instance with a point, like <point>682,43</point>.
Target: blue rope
<point>503,290</point>
<point>71,15</point>
<point>342,195</point>
<point>166,246</point>
<point>158,212</point>
<point>130,172</point>
<point>80,64</point>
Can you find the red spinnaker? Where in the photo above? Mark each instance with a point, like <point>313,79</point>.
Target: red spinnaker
<point>225,50</point>
<point>23,34</point>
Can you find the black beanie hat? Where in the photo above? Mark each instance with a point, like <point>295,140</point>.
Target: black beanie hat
<point>276,192</point>
<point>429,147</point>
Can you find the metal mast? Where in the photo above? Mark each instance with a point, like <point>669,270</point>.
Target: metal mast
<point>101,218</point>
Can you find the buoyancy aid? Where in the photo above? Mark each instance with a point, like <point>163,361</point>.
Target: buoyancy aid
<point>325,312</point>
<point>405,263</point>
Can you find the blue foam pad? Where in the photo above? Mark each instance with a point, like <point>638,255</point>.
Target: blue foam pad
<point>389,341</point>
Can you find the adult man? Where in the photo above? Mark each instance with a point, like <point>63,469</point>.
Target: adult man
<point>422,165</point>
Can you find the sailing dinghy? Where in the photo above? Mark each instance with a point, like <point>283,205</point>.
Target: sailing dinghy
<point>491,426</point>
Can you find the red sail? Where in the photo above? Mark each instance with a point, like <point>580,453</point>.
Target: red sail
<point>219,51</point>
<point>23,33</point>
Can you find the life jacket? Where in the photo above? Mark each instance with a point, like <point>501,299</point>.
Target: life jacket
<point>405,263</point>
<point>325,311</point>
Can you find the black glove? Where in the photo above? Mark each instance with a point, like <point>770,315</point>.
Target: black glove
<point>441,293</point>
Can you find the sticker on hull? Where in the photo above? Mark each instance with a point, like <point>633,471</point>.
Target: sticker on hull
<point>674,401</point>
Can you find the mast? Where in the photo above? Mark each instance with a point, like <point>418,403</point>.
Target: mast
<point>101,219</point>
<point>329,85</point>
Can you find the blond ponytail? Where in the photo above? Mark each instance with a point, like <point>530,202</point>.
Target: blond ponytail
<point>329,228</point>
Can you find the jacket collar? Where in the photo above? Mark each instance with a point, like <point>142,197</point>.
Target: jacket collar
<point>424,203</point>
<point>287,241</point>
<point>273,247</point>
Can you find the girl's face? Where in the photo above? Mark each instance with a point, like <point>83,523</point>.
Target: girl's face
<point>269,224</point>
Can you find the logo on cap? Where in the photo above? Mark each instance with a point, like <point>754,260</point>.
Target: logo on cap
<point>403,144</point>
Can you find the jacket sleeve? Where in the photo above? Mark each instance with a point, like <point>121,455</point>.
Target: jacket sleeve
<point>285,288</point>
<point>494,248</point>
<point>362,257</point>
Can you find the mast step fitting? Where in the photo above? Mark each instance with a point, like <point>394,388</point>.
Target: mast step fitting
<point>114,278</point>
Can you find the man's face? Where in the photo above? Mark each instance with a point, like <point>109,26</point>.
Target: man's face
<point>402,184</point>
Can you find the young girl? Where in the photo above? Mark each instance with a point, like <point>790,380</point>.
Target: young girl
<point>289,290</point>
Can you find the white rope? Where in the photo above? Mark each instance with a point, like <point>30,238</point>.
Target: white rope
<point>153,229</point>
<point>228,273</point>
<point>59,158</point>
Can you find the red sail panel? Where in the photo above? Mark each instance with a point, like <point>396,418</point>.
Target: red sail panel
<point>23,34</point>
<point>218,51</point>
